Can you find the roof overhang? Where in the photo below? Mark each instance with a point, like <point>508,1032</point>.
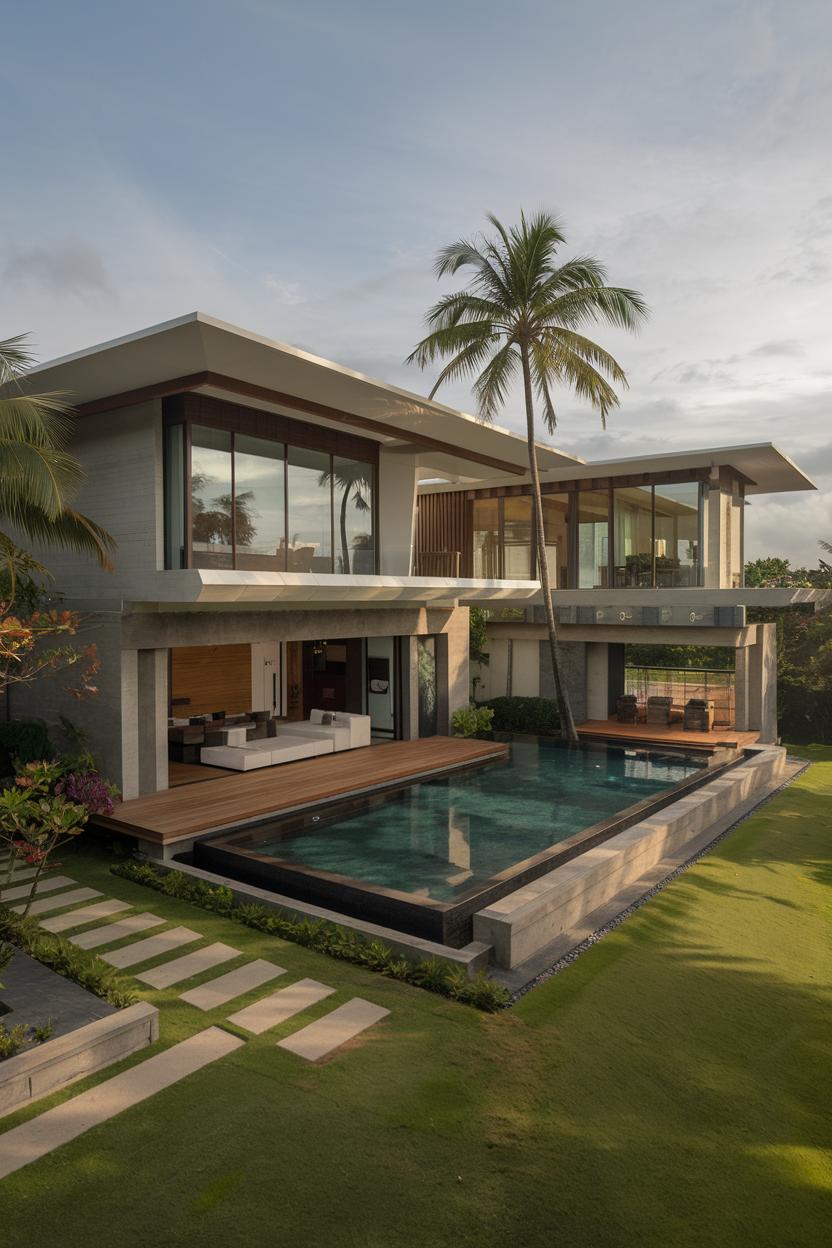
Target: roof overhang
<point>766,469</point>
<point>197,352</point>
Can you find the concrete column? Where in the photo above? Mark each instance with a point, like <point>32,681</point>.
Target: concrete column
<point>396,511</point>
<point>129,779</point>
<point>741,689</point>
<point>152,702</point>
<point>762,683</point>
<point>597,680</point>
<point>410,689</point>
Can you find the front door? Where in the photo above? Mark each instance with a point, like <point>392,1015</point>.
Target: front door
<point>381,686</point>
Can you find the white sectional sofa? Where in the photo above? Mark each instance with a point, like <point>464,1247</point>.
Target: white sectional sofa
<point>347,731</point>
<point>307,739</point>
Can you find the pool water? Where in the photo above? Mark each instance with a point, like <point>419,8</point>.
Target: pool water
<point>443,838</point>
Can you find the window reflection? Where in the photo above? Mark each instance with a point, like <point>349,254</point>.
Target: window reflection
<point>487,538</point>
<point>677,534</point>
<point>354,489</point>
<point>593,539</point>
<point>517,538</point>
<point>211,498</point>
<point>259,503</point>
<point>633,532</point>
<point>555,536</point>
<point>309,484</point>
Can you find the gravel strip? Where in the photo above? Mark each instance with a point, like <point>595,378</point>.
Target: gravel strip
<point>573,955</point>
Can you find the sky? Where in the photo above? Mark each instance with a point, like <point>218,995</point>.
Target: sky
<point>293,168</point>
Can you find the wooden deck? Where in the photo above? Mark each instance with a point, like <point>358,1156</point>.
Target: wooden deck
<point>666,734</point>
<point>193,809</point>
<point>194,773</point>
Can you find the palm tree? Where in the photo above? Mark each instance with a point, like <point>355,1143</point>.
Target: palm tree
<point>40,477</point>
<point>522,312</point>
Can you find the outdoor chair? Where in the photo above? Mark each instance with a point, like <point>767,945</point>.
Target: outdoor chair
<point>627,709</point>
<point>659,710</point>
<point>699,715</point>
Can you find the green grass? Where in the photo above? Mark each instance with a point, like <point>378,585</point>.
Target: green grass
<point>670,1088</point>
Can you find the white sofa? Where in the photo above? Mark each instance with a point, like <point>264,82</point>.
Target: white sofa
<point>347,731</point>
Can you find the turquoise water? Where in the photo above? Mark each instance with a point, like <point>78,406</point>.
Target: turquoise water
<point>444,838</point>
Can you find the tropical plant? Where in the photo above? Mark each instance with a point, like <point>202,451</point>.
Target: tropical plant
<point>40,477</point>
<point>472,721</point>
<point>35,821</point>
<point>521,315</point>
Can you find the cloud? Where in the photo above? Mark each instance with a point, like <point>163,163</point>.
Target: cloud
<point>71,268</point>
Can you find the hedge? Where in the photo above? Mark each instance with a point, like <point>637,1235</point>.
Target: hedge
<point>26,740</point>
<point>65,958</point>
<point>434,974</point>
<point>537,716</point>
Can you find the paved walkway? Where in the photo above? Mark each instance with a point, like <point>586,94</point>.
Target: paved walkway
<point>318,1039</point>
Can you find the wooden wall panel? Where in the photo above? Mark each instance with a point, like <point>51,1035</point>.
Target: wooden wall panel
<point>214,678</point>
<point>443,523</point>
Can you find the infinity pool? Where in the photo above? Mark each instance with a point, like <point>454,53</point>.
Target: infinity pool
<point>445,839</point>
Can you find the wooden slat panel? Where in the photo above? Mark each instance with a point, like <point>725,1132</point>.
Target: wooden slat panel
<point>197,808</point>
<point>214,678</point>
<point>443,523</point>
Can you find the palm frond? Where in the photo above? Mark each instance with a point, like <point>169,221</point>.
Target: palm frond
<point>493,385</point>
<point>466,361</point>
<point>70,531</point>
<point>38,475</point>
<point>566,340</point>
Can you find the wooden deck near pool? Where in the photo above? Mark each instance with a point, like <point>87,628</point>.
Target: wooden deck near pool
<point>193,809</point>
<point>666,734</point>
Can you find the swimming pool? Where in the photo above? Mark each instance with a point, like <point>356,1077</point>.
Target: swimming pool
<point>419,853</point>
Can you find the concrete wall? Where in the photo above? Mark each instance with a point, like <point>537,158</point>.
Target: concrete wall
<point>574,673</point>
<point>396,511</point>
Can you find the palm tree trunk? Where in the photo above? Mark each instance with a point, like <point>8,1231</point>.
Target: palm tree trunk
<point>567,722</point>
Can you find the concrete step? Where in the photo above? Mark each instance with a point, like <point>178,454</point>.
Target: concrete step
<point>233,984</point>
<point>285,1003</point>
<point>188,966</point>
<point>75,918</point>
<point>326,1034</point>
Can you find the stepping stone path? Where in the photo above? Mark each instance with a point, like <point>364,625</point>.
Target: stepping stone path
<point>233,984</point>
<point>43,886</point>
<point>328,1033</point>
<point>280,1005</point>
<point>188,966</point>
<point>65,1122</point>
<point>153,947</point>
<point>76,918</point>
<point>112,932</point>
<point>55,903</point>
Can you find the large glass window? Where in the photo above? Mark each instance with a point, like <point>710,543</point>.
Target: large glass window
<point>175,554</point>
<point>555,536</point>
<point>593,539</point>
<point>259,504</point>
<point>212,527</point>
<point>487,538</point>
<point>309,484</point>
<point>633,537</point>
<point>517,538</point>
<point>354,489</point>
<point>677,534</point>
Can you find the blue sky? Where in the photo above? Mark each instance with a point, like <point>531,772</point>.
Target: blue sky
<point>293,168</point>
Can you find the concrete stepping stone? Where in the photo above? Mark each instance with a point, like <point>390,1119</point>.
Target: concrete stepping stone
<point>111,932</point>
<point>19,872</point>
<point>334,1029</point>
<point>280,1005</point>
<point>44,886</point>
<point>39,1136</point>
<point>75,918</point>
<point>153,947</point>
<point>233,984</point>
<point>71,898</point>
<point>188,966</point>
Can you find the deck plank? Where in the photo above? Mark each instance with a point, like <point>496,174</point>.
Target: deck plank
<point>666,734</point>
<point>192,809</point>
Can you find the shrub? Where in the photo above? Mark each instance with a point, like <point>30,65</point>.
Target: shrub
<point>472,721</point>
<point>536,716</point>
<point>12,1040</point>
<point>89,789</point>
<point>59,955</point>
<point>322,936</point>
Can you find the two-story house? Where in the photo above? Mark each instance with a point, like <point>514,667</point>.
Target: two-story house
<point>294,535</point>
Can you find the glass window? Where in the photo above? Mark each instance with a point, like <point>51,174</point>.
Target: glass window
<point>517,538</point>
<point>175,496</point>
<point>309,544</point>
<point>593,539</point>
<point>677,534</point>
<point>212,540</point>
<point>354,484</point>
<point>487,538</point>
<point>259,514</point>
<point>555,537</point>
<point>633,537</point>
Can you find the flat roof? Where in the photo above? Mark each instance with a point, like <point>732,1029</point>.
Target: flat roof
<point>768,469</point>
<point>211,356</point>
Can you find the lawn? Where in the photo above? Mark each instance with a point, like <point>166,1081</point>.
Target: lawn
<point>670,1088</point>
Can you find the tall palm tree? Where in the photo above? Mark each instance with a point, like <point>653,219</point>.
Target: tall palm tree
<point>521,313</point>
<point>40,477</point>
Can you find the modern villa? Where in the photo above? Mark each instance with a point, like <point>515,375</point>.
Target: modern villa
<point>298,547</point>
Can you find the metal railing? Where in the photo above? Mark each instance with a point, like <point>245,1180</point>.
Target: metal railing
<point>681,683</point>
